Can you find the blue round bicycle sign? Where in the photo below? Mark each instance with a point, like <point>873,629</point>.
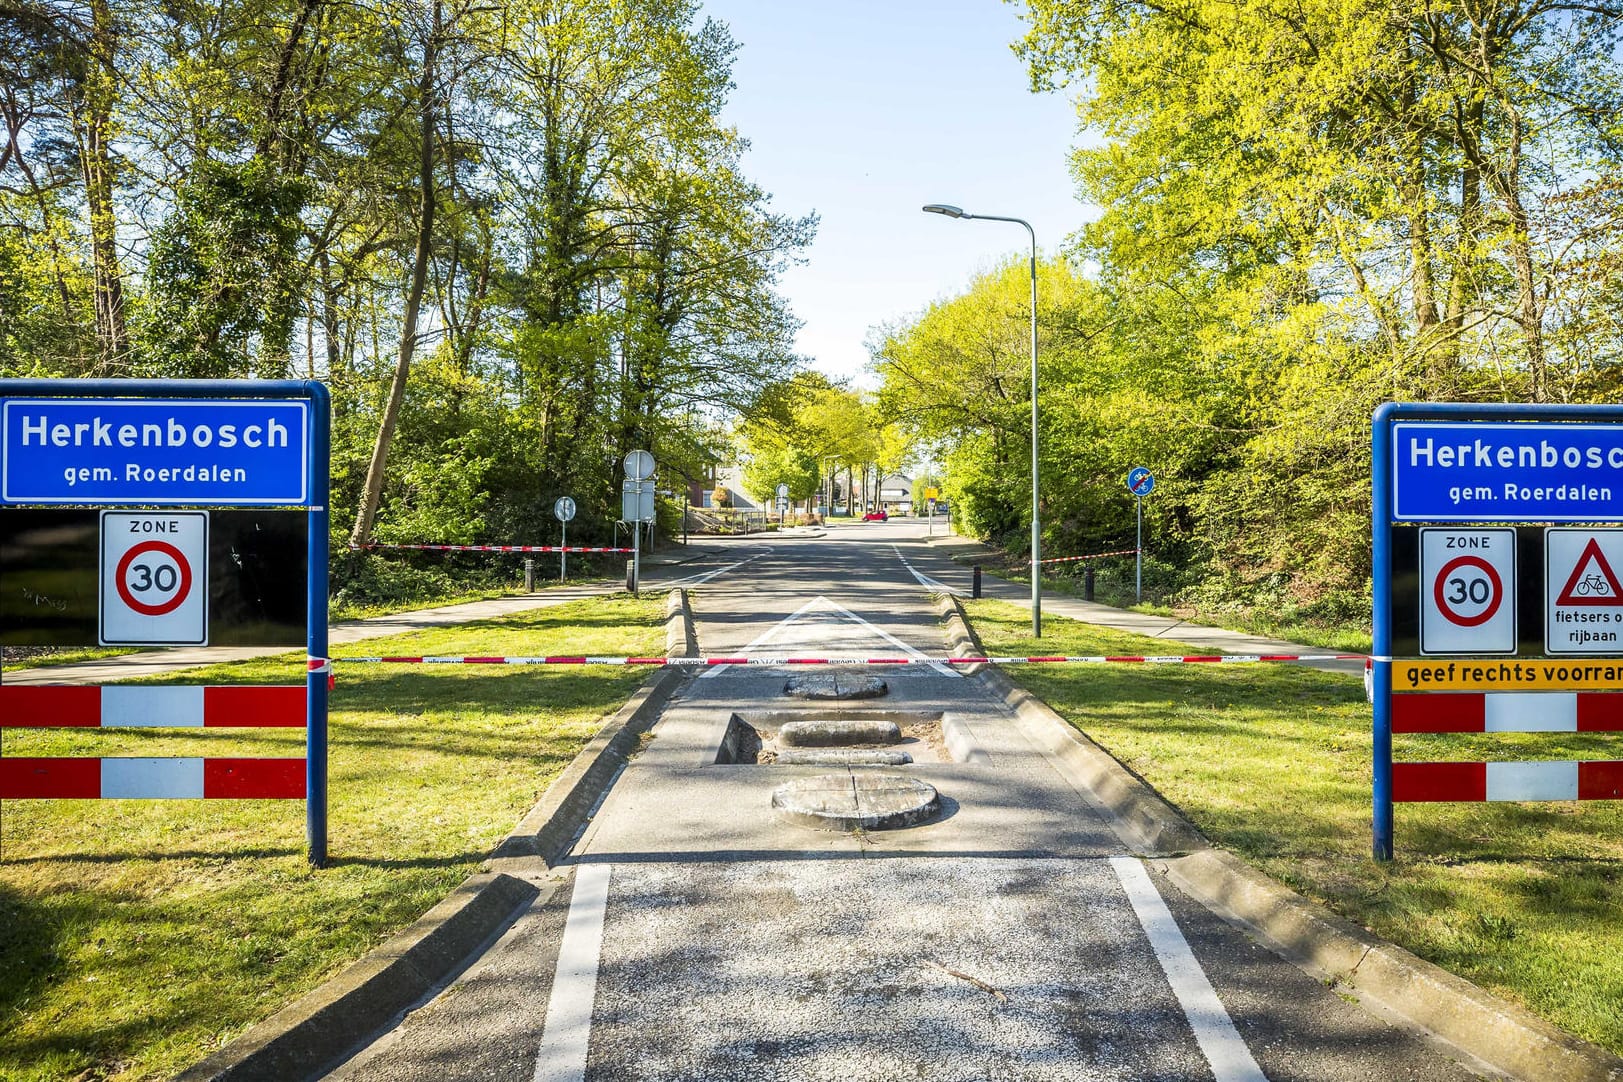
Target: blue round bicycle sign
<point>1140,482</point>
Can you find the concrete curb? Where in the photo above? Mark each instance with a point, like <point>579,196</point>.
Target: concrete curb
<point>316,1031</point>
<point>325,1026</point>
<point>1494,1033</point>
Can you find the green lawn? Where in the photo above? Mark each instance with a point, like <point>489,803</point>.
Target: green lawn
<point>1273,762</point>
<point>137,936</point>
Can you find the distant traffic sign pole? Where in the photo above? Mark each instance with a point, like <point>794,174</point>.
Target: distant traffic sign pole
<point>564,509</point>
<point>636,507</point>
<point>1140,482</point>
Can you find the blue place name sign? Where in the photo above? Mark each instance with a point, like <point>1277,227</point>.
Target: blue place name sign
<point>1527,472</point>
<point>154,451</point>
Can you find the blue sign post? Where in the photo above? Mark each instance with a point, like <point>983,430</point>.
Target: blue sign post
<point>1140,482</point>
<point>1480,465</point>
<point>223,443</point>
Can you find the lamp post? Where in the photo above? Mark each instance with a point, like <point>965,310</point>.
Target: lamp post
<point>1036,523</point>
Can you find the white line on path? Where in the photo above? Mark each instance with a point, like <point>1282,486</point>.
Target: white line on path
<point>835,608</point>
<point>562,1056</point>
<point>1214,1031</point>
<point>700,580</point>
<point>925,580</point>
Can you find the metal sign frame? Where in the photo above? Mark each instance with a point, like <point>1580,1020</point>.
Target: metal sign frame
<point>318,438</point>
<point>1575,421</point>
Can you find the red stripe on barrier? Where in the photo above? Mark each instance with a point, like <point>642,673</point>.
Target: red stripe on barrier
<point>1128,659</point>
<point>251,707</point>
<point>49,706</point>
<point>1600,712</point>
<point>1439,712</point>
<point>253,779</point>
<point>485,660</point>
<point>60,779</point>
<point>1432,782</point>
<point>1600,780</point>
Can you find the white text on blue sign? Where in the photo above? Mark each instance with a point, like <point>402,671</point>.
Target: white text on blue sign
<point>145,451</point>
<point>1478,472</point>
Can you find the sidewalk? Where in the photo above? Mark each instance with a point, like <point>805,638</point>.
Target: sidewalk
<point>153,662</point>
<point>1211,640</point>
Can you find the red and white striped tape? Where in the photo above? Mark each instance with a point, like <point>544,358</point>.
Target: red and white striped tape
<point>1094,556</point>
<point>491,548</point>
<point>57,706</point>
<point>1508,712</point>
<point>151,779</point>
<point>779,660</point>
<point>1555,780</point>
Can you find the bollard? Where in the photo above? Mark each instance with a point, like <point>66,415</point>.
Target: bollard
<point>529,576</point>
<point>1087,583</point>
<point>631,577</point>
<point>975,589</point>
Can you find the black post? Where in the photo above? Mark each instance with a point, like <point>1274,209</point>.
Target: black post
<point>975,590</point>
<point>631,577</point>
<point>1087,583</point>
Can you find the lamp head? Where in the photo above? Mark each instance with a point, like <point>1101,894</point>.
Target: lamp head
<point>945,208</point>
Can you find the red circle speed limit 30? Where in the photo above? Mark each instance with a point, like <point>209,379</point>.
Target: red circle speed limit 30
<point>1468,591</point>
<point>154,578</point>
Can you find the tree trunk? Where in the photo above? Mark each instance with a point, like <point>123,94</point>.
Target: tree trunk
<point>367,513</point>
<point>93,123</point>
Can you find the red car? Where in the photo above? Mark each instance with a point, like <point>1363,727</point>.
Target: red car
<point>876,516</point>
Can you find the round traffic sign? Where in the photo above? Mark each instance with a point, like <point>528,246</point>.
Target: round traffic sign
<point>783,490</point>
<point>156,571</point>
<point>1140,482</point>
<point>1468,591</point>
<point>564,509</point>
<point>639,466</point>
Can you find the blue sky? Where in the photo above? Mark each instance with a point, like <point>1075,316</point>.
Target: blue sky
<point>864,112</point>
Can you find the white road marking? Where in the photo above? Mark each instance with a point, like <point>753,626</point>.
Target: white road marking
<point>833,608</point>
<point>925,580</point>
<point>700,580</point>
<point>562,1055</point>
<point>1214,1031</point>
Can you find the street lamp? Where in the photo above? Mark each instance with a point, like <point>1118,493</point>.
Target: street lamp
<point>1036,524</point>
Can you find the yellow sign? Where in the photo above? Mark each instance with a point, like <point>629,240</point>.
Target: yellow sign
<point>931,493</point>
<point>1533,674</point>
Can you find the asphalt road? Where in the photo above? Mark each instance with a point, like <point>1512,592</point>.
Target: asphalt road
<point>697,936</point>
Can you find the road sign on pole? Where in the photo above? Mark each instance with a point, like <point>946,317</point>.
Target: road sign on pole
<point>1583,599</point>
<point>637,506</point>
<point>1140,482</point>
<point>639,466</point>
<point>1468,591</point>
<point>154,578</point>
<point>564,509</point>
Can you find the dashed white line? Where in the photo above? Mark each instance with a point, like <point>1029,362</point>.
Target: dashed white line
<point>700,580</point>
<point>568,1028</point>
<point>1219,1041</point>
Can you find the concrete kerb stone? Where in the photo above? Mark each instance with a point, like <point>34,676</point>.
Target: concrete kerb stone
<point>1487,1029</point>
<point>325,1026</point>
<point>1500,1035</point>
<point>320,1029</point>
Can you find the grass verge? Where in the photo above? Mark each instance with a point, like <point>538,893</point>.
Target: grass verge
<point>138,936</point>
<point>1273,763</point>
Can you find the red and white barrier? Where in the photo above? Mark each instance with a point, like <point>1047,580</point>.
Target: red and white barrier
<point>151,779</point>
<point>53,706</point>
<point>1094,556</point>
<point>781,660</point>
<point>489,548</point>
<point>1558,780</point>
<point>1508,712</point>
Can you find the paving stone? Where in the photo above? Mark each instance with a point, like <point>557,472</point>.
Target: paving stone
<point>851,801</point>
<point>832,733</point>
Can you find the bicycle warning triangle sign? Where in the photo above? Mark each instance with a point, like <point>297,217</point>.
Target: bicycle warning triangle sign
<point>1592,581</point>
